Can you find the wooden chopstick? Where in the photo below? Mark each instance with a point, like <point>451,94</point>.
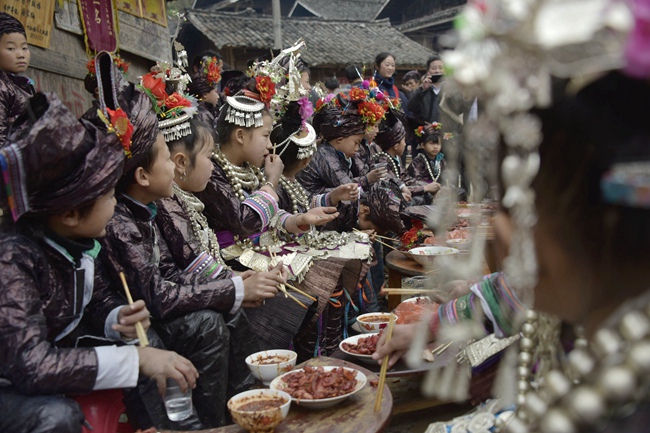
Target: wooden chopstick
<point>376,235</point>
<point>139,329</point>
<point>438,350</point>
<point>287,294</point>
<point>384,243</point>
<point>384,365</point>
<point>301,292</point>
<point>284,289</point>
<point>408,292</point>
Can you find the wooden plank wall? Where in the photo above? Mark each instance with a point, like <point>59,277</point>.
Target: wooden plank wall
<point>62,67</point>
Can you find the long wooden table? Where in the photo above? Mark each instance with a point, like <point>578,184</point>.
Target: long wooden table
<point>354,415</point>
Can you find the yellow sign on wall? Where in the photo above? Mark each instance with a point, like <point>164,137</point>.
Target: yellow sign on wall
<point>36,16</point>
<point>132,7</point>
<point>154,10</point>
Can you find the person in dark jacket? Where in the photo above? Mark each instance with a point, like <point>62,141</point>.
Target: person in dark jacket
<point>392,140</point>
<point>332,164</point>
<point>52,299</point>
<point>427,167</point>
<point>194,314</point>
<point>15,88</point>
<point>424,103</point>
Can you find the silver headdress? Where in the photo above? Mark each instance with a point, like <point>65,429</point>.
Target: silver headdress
<point>174,111</point>
<point>244,111</point>
<point>306,145</point>
<point>283,72</point>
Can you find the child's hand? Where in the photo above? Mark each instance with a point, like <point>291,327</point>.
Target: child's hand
<point>432,187</point>
<point>406,193</point>
<point>261,285</point>
<point>376,174</point>
<point>273,167</point>
<point>317,216</point>
<point>162,364</point>
<point>349,191</point>
<point>128,316</point>
<point>372,235</point>
<point>398,345</point>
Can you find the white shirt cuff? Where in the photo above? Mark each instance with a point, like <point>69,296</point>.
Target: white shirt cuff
<point>117,367</point>
<point>239,294</point>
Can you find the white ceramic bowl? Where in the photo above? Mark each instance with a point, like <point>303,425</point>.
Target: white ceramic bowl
<point>279,384</point>
<point>460,244</point>
<point>259,365</point>
<point>259,420</point>
<point>354,340</point>
<point>427,255</point>
<point>373,326</point>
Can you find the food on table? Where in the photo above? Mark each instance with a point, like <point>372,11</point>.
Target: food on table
<point>459,234</point>
<point>410,311</point>
<point>375,318</point>
<point>271,359</point>
<point>363,346</point>
<point>263,404</point>
<point>460,224</point>
<point>314,383</point>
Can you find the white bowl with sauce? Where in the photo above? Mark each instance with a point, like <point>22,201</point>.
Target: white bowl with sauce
<point>269,364</point>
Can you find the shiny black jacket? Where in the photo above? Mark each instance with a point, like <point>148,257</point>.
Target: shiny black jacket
<point>15,90</point>
<point>41,294</point>
<point>133,245</point>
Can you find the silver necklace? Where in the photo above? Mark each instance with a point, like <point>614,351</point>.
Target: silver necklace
<point>436,168</point>
<point>244,178</point>
<point>392,161</point>
<point>297,194</point>
<point>606,379</point>
<point>194,209</point>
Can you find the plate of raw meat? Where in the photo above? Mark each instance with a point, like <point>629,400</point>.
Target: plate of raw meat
<point>320,387</point>
<point>361,346</point>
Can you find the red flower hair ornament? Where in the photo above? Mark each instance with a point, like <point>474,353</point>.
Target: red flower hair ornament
<point>266,88</point>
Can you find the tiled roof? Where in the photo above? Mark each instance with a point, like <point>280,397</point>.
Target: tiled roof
<point>431,20</point>
<point>328,42</point>
<point>361,10</point>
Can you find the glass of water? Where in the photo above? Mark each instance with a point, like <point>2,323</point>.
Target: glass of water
<point>177,403</point>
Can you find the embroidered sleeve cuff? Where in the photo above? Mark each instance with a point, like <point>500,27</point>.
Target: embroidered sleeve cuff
<point>117,367</point>
<point>239,294</point>
<point>264,205</point>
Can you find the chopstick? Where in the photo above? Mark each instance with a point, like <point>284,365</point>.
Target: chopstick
<point>301,292</point>
<point>384,243</point>
<point>284,290</point>
<point>438,350</point>
<point>407,291</point>
<point>384,365</point>
<point>281,286</point>
<point>376,235</point>
<point>139,329</point>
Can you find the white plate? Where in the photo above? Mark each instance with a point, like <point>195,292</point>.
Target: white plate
<point>279,385</point>
<point>354,340</point>
<point>417,298</point>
